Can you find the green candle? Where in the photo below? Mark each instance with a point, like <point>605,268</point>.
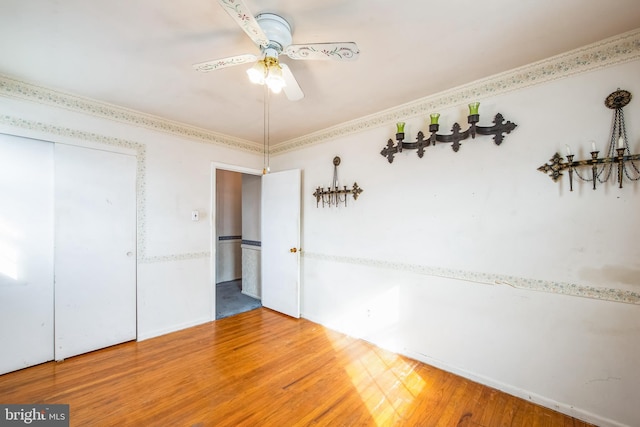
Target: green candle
<point>473,108</point>
<point>400,126</point>
<point>434,118</point>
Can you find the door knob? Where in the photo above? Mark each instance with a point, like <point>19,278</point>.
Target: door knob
<point>294,250</point>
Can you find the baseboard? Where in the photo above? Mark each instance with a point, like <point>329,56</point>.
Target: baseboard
<point>489,382</point>
<point>173,328</point>
<point>517,392</point>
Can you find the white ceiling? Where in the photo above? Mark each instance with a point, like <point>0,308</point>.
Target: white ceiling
<point>139,53</point>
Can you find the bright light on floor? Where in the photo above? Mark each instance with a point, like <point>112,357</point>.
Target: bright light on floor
<point>386,382</point>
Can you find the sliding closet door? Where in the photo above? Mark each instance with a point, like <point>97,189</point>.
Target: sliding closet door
<point>95,249</point>
<point>26,252</point>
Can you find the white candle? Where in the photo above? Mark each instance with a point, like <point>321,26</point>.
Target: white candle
<point>621,142</point>
<point>568,150</point>
<point>593,146</point>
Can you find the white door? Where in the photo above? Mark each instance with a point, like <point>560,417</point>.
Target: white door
<point>26,252</point>
<point>280,235</point>
<point>95,249</point>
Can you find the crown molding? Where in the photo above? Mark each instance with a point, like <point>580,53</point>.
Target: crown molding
<point>13,88</point>
<point>615,50</point>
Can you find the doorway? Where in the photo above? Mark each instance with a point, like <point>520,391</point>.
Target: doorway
<point>236,242</point>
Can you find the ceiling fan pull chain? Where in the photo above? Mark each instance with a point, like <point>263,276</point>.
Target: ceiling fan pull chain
<point>266,156</point>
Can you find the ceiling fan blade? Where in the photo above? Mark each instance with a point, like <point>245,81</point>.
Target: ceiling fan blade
<point>342,51</point>
<point>292,88</point>
<point>216,64</point>
<point>240,13</point>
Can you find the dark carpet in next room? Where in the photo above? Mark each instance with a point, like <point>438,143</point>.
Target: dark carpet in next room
<point>230,300</point>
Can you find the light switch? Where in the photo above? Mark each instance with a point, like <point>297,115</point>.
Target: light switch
<point>195,216</point>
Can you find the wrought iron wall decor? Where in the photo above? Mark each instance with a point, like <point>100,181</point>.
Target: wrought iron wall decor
<point>334,195</point>
<point>498,130</point>
<point>617,152</point>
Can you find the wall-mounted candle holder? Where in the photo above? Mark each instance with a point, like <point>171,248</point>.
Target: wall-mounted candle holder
<point>601,168</point>
<point>334,195</point>
<point>498,130</point>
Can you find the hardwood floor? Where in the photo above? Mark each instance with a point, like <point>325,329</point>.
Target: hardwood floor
<point>261,368</point>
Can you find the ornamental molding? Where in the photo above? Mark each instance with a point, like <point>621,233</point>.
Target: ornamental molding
<point>560,288</point>
<point>615,50</point>
<point>174,257</point>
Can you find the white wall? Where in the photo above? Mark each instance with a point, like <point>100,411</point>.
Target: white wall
<point>175,287</point>
<point>251,237</point>
<point>251,190</point>
<point>412,265</point>
<point>229,225</point>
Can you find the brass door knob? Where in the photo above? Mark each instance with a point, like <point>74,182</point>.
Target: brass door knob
<point>294,250</point>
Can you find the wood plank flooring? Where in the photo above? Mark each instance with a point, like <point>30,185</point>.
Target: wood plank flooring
<point>261,368</point>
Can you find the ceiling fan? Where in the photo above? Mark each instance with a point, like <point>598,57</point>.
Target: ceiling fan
<point>272,34</point>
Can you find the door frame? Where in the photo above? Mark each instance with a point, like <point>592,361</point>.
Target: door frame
<point>213,226</point>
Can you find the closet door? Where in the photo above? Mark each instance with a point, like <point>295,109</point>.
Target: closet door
<point>26,252</point>
<point>95,249</point>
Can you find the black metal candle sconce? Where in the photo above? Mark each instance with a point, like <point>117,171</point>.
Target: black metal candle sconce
<point>601,168</point>
<point>498,130</point>
<point>334,195</point>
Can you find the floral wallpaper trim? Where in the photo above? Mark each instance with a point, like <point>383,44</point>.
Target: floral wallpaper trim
<point>141,173</point>
<point>606,294</point>
<point>173,258</point>
<point>616,50</point>
<point>13,88</point>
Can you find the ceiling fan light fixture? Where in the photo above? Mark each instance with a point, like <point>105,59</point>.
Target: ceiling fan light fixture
<point>258,73</point>
<point>267,71</point>
<point>272,34</point>
<point>275,80</point>
<point>276,87</point>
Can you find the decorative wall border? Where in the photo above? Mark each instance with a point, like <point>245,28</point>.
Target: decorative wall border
<point>173,258</point>
<point>562,288</point>
<point>615,50</point>
<point>141,174</point>
<point>13,88</point>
